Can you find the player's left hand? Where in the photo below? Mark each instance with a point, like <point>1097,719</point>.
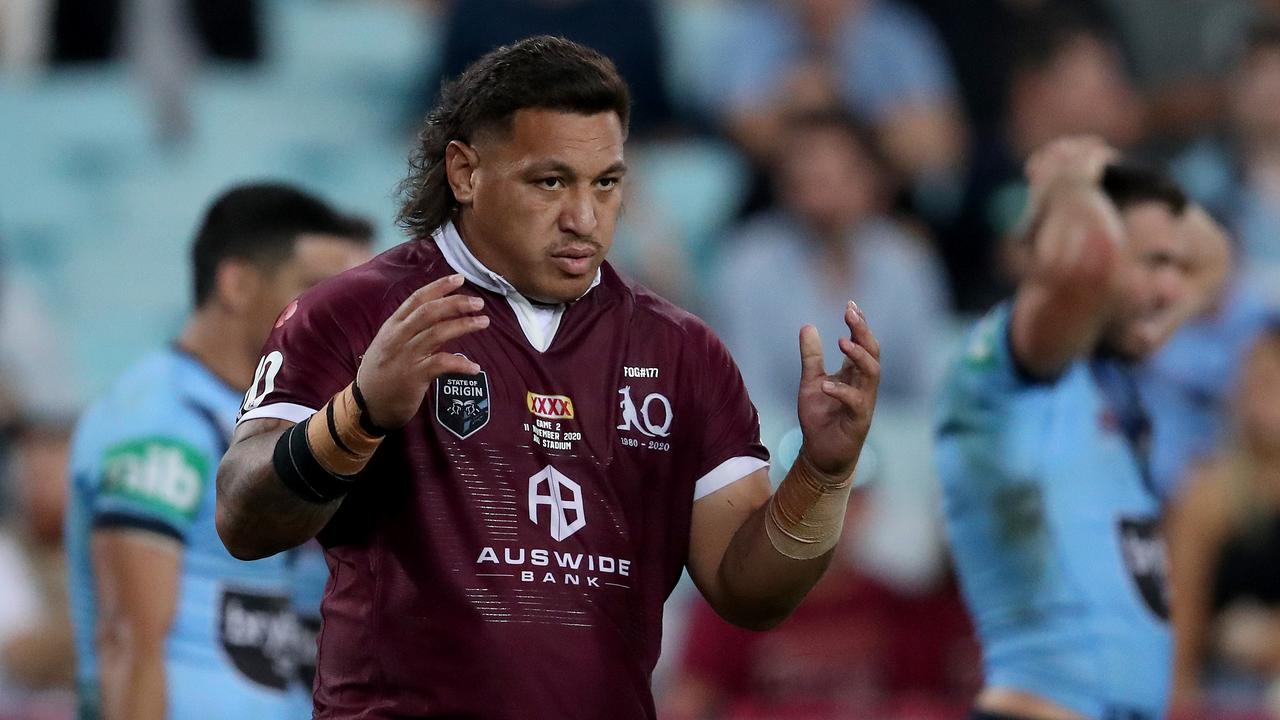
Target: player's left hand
<point>835,409</point>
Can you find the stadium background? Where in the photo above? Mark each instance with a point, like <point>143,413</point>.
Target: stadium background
<point>120,120</point>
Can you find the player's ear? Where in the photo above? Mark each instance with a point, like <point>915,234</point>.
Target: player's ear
<point>460,163</point>
<point>237,284</point>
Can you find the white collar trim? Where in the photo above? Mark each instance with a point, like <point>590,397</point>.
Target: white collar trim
<point>539,322</point>
<point>460,258</point>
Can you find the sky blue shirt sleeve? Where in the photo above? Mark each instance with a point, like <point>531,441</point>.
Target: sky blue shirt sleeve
<point>759,48</point>
<point>893,59</point>
<point>154,477</point>
<point>986,416</point>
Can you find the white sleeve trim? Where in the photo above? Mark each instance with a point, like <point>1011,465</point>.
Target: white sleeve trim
<point>279,411</point>
<point>726,473</point>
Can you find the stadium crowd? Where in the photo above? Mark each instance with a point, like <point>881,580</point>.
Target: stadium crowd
<point>785,155</point>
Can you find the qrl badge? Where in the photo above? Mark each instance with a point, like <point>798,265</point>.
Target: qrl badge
<point>462,403</point>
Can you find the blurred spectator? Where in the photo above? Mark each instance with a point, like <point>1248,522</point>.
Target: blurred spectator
<point>38,399</point>
<point>1181,52</point>
<point>1187,385</point>
<point>1224,544</point>
<point>624,30</point>
<point>877,58</point>
<point>1237,174</point>
<point>95,30</point>
<point>854,648</point>
<point>981,35</point>
<point>826,243</point>
<point>1067,78</point>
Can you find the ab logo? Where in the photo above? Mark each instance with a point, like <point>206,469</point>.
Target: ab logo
<point>646,420</point>
<point>562,497</point>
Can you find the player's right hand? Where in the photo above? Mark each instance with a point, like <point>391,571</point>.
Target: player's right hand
<point>1070,159</point>
<point>405,358</point>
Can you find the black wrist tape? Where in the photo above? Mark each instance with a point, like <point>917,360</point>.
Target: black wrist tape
<point>366,422</point>
<point>299,470</point>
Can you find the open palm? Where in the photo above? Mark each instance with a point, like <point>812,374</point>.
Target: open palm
<point>835,409</point>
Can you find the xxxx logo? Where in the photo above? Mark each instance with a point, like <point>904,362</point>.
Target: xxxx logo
<point>553,407</point>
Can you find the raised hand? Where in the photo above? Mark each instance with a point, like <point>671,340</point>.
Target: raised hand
<point>404,359</point>
<point>835,410</point>
<point>1073,159</point>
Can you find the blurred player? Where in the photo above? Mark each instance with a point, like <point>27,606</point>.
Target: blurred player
<point>509,451</point>
<point>1043,443</point>
<point>168,624</point>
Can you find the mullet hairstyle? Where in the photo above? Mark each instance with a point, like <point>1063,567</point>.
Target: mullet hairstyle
<point>544,72</point>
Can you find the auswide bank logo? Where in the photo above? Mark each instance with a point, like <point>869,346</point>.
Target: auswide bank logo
<point>563,499</point>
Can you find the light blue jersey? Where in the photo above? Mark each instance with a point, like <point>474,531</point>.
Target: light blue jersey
<point>144,457</point>
<point>1053,525</point>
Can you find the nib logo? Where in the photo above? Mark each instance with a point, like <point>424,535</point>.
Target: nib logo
<point>562,498</point>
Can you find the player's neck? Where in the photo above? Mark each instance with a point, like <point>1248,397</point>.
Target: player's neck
<point>218,346</point>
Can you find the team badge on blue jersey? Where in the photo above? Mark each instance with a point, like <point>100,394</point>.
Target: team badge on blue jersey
<point>1144,556</point>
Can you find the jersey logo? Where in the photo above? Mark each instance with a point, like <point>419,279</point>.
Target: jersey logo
<point>651,419</point>
<point>286,314</point>
<point>260,635</point>
<point>1144,556</point>
<point>552,407</point>
<point>157,475</point>
<point>562,498</point>
<point>462,403</point>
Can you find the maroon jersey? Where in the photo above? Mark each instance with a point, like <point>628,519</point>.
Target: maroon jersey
<point>507,553</point>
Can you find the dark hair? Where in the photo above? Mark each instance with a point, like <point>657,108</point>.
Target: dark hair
<point>1043,35</point>
<point>1263,35</point>
<point>542,72</point>
<point>836,119</point>
<point>1127,184</point>
<point>260,222</point>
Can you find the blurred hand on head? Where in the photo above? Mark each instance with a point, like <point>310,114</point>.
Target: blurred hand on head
<point>1073,159</point>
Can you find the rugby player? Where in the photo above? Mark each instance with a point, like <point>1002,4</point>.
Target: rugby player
<point>509,451</point>
<point>167,623</point>
<point>1043,442</point>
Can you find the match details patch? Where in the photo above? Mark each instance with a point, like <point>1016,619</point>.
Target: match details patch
<point>462,403</point>
<point>552,407</point>
<point>161,476</point>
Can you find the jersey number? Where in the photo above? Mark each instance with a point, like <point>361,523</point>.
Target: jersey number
<point>265,375</point>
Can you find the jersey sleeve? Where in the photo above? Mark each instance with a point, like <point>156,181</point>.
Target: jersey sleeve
<point>155,481</point>
<point>309,356</point>
<point>729,446</point>
<point>987,364</point>
<point>992,413</point>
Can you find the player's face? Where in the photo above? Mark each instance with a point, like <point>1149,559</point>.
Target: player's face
<point>543,200</point>
<point>1153,277</point>
<point>315,258</point>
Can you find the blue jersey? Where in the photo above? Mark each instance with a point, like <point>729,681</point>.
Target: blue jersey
<point>1052,519</point>
<point>144,457</point>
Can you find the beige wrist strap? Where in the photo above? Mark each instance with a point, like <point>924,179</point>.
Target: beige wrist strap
<point>805,516</point>
<point>337,440</point>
